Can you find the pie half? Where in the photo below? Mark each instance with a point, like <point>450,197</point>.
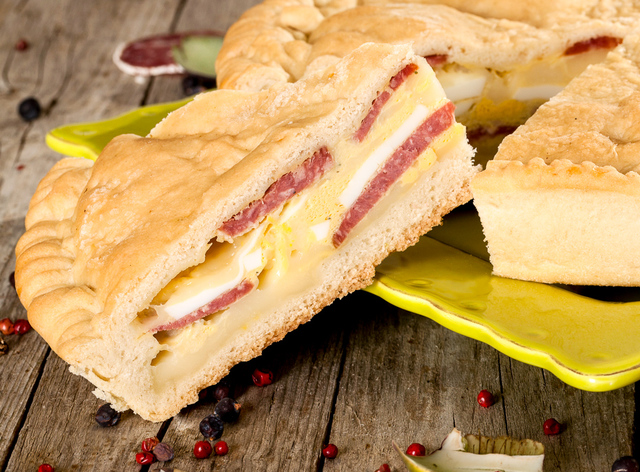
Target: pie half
<point>174,257</point>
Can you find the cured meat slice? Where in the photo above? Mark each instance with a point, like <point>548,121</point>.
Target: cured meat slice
<point>600,42</point>
<point>279,192</point>
<point>153,55</point>
<point>396,165</point>
<point>395,82</point>
<point>217,304</point>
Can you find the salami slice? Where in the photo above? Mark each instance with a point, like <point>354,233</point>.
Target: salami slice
<point>279,192</point>
<point>152,55</point>
<point>395,82</point>
<point>599,42</point>
<point>395,166</point>
<point>217,304</point>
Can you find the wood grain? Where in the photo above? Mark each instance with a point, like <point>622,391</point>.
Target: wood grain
<point>282,426</point>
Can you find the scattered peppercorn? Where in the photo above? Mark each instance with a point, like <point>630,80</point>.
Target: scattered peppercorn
<point>416,449</point>
<point>6,326</point>
<point>21,45</point>
<point>262,377</point>
<point>625,464</point>
<point>203,394</point>
<point>551,427</point>
<point>29,109</point>
<point>12,279</point>
<point>46,468</point>
<point>202,450</point>
<point>107,416</point>
<point>163,452</point>
<point>193,84</point>
<point>485,399</point>
<point>384,468</point>
<point>221,390</point>
<point>330,451</point>
<point>212,427</point>
<point>144,458</point>
<point>149,443</point>
<point>221,448</point>
<point>3,347</point>
<point>21,327</point>
<point>227,409</point>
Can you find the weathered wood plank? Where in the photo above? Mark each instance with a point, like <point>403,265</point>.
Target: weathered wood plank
<point>22,364</point>
<point>409,380</point>
<point>68,67</point>
<point>60,428</point>
<point>282,426</point>
<point>599,426</point>
<point>406,379</point>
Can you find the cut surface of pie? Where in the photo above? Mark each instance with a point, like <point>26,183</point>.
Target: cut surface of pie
<point>559,202</point>
<point>174,257</point>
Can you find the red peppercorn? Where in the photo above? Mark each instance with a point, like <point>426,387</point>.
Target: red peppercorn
<point>485,399</point>
<point>149,443</point>
<point>45,468</point>
<point>144,458</point>
<point>6,326</point>
<point>416,449</point>
<point>262,377</point>
<point>384,468</point>
<point>551,427</point>
<point>21,45</point>
<point>21,326</point>
<point>202,450</point>
<point>330,451</point>
<point>221,448</point>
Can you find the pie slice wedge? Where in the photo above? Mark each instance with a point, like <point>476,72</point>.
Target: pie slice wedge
<point>560,201</point>
<point>176,256</point>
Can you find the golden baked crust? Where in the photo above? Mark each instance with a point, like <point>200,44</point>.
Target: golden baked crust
<point>103,239</point>
<point>279,40</point>
<point>558,202</point>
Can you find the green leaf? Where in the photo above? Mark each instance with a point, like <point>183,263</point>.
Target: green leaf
<point>197,54</point>
<point>473,453</point>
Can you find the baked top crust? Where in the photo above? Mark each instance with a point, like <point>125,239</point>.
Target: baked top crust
<point>586,137</point>
<point>279,40</point>
<point>104,238</point>
<point>558,202</point>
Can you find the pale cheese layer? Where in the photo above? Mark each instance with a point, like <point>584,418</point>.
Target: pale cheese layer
<point>296,238</point>
<point>536,82</point>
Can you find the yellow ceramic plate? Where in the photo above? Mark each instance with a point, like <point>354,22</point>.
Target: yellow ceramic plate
<point>587,342</point>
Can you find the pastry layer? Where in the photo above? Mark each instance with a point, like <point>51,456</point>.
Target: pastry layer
<point>558,202</point>
<point>108,245</point>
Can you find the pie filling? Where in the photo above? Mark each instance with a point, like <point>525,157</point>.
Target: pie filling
<point>279,250</point>
<point>489,101</point>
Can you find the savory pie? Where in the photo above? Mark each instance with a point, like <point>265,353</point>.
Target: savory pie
<point>498,60</point>
<point>174,257</point>
<point>560,201</point>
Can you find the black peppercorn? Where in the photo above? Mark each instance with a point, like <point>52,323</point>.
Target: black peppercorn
<point>107,416</point>
<point>227,409</point>
<point>212,427</point>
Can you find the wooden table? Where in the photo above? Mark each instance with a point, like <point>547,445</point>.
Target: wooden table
<point>360,375</point>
